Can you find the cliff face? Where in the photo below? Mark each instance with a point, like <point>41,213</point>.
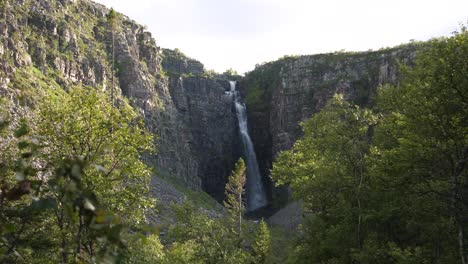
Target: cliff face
<point>65,43</point>
<point>58,44</point>
<point>203,107</point>
<point>213,123</point>
<point>281,94</point>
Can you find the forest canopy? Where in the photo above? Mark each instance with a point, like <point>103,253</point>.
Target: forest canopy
<point>85,93</point>
<point>388,185</point>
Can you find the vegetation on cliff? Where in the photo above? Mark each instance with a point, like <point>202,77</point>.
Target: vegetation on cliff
<point>74,190</point>
<point>68,177</point>
<point>388,185</point>
<point>381,172</point>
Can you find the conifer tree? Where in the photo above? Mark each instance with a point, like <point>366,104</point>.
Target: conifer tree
<point>235,193</point>
<point>261,245</point>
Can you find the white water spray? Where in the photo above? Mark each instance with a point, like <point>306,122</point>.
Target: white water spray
<point>256,197</point>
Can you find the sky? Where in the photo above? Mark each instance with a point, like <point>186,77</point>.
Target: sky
<point>239,34</point>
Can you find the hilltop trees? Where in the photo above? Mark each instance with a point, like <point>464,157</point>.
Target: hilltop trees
<point>83,124</point>
<point>78,124</point>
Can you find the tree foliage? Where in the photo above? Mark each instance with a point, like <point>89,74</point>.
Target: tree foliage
<point>65,191</point>
<point>83,124</point>
<point>327,170</point>
<point>197,238</point>
<point>421,144</point>
<point>262,243</point>
<point>145,250</point>
<point>210,240</point>
<point>235,189</point>
<point>390,186</point>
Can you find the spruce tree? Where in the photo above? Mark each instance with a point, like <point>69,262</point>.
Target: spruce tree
<point>235,193</point>
<point>261,245</point>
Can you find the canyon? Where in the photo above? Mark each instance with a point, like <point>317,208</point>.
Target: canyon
<point>199,131</point>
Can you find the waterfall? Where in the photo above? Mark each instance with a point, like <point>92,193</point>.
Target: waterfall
<point>256,197</point>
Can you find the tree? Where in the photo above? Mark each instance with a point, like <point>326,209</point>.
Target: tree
<point>262,243</point>
<point>235,193</point>
<point>396,179</point>
<point>421,144</point>
<point>230,73</point>
<point>326,168</point>
<point>181,253</point>
<point>78,125</point>
<point>145,250</point>
<point>25,211</point>
<point>202,239</point>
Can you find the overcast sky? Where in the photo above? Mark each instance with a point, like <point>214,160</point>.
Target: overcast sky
<point>238,34</point>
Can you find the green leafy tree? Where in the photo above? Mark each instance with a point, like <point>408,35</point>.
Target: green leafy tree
<point>83,125</point>
<point>145,250</point>
<point>205,239</point>
<point>235,193</point>
<point>25,212</point>
<point>231,74</point>
<point>181,253</point>
<point>391,189</point>
<point>78,124</point>
<point>67,181</point>
<point>327,170</point>
<point>421,147</point>
<point>262,243</point>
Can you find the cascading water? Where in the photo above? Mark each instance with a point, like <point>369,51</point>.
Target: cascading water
<point>256,197</point>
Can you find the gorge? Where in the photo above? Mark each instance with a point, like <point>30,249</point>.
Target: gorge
<point>256,197</point>
<point>115,150</point>
<point>200,131</point>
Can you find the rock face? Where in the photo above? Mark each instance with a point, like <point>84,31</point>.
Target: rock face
<point>281,94</point>
<point>209,114</point>
<point>176,63</point>
<point>70,43</point>
<point>63,43</point>
<point>289,217</point>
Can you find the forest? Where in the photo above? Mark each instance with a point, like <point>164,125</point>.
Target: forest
<point>384,183</point>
